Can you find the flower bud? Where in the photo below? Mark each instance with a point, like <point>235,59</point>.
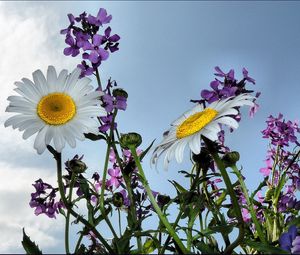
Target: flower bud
<point>117,199</point>
<point>269,194</point>
<point>162,199</point>
<point>77,166</point>
<point>203,158</point>
<point>231,158</point>
<point>130,140</point>
<point>120,92</point>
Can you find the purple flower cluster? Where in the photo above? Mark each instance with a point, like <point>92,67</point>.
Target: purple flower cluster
<point>83,34</point>
<point>281,132</point>
<point>43,199</point>
<point>228,87</point>
<point>115,183</point>
<point>116,99</point>
<point>290,241</point>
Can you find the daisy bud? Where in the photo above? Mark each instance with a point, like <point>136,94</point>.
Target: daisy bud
<point>120,92</point>
<point>269,194</point>
<point>203,158</point>
<point>130,140</point>
<point>118,199</point>
<point>231,158</point>
<point>77,166</point>
<point>162,199</point>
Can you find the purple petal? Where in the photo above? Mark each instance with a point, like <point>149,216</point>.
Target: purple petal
<point>68,51</point>
<point>93,57</point>
<point>107,31</point>
<point>103,54</point>
<point>97,39</point>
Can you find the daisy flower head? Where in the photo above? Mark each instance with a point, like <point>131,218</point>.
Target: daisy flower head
<point>59,108</point>
<point>197,122</point>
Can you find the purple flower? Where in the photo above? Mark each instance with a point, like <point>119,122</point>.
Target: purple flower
<point>43,199</point>
<point>73,49</point>
<point>85,69</point>
<point>97,53</point>
<point>108,102</point>
<point>121,103</point>
<point>220,73</point>
<point>267,170</point>
<point>281,132</point>
<point>100,19</point>
<point>246,77</point>
<point>68,29</point>
<point>290,241</point>
<point>107,120</point>
<point>115,179</point>
<point>110,41</point>
<point>81,38</point>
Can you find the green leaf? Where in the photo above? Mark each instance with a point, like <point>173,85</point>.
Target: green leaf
<point>143,154</point>
<point>178,187</point>
<point>29,246</point>
<point>265,247</point>
<point>261,185</point>
<point>94,137</point>
<point>204,248</point>
<point>85,188</point>
<point>150,245</point>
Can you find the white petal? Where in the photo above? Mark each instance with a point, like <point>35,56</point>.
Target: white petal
<point>70,139</point>
<point>59,141</point>
<point>39,143</point>
<point>72,80</point>
<point>195,143</point>
<point>210,135</point>
<point>228,121</point>
<point>51,79</point>
<point>32,130</point>
<point>61,80</point>
<point>40,81</point>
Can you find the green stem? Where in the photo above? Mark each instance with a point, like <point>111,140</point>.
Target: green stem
<point>102,209</point>
<point>169,237</point>
<point>232,195</point>
<point>78,243</point>
<point>68,206</point>
<point>161,216</point>
<point>130,195</point>
<point>250,205</point>
<point>120,228</point>
<point>98,79</point>
<point>68,214</point>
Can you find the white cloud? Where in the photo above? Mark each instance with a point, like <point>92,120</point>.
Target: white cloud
<point>30,41</point>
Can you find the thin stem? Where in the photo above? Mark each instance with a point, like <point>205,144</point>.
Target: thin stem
<point>169,236</point>
<point>57,157</point>
<point>130,194</point>
<point>161,216</point>
<point>233,197</point>
<point>68,214</point>
<point>78,242</point>
<point>250,205</point>
<point>102,209</point>
<point>120,228</point>
<point>98,79</point>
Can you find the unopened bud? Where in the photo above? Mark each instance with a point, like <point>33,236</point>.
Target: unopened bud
<point>77,166</point>
<point>163,200</point>
<point>117,199</point>
<point>231,158</point>
<point>130,140</point>
<point>120,92</point>
<point>269,194</point>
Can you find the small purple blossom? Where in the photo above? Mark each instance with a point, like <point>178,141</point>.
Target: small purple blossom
<point>115,178</point>
<point>100,19</point>
<point>73,49</point>
<point>43,199</point>
<point>290,241</point>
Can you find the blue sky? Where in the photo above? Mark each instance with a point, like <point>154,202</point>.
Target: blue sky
<point>168,51</point>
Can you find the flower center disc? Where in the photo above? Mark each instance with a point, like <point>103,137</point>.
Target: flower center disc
<point>56,108</point>
<point>195,122</point>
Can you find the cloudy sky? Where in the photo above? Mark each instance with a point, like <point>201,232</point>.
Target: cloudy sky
<point>167,54</point>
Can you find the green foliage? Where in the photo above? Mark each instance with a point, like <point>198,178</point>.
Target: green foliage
<point>29,246</point>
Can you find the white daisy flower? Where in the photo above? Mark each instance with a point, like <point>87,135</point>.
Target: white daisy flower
<point>60,108</point>
<point>188,128</point>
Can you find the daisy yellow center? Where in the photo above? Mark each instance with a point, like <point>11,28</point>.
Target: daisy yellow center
<point>56,108</point>
<point>195,123</point>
